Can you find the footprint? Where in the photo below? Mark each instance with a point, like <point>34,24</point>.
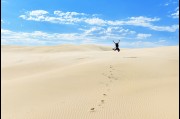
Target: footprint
<point>104,94</point>
<point>102,101</point>
<point>92,109</point>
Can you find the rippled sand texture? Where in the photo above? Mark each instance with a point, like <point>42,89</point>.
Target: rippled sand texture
<point>89,82</point>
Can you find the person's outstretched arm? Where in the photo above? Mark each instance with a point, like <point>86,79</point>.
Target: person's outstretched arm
<point>113,41</point>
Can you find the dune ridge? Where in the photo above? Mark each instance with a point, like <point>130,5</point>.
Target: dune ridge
<point>58,48</point>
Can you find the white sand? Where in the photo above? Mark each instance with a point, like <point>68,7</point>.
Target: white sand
<point>65,82</point>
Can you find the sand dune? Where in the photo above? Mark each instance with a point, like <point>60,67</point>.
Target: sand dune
<point>59,48</point>
<point>89,82</point>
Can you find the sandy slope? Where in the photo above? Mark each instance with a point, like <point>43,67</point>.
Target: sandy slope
<point>89,82</point>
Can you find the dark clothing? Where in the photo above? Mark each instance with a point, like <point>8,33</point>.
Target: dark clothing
<point>117,45</point>
<point>116,49</point>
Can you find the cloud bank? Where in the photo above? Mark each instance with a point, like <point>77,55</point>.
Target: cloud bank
<point>42,38</point>
<point>60,17</point>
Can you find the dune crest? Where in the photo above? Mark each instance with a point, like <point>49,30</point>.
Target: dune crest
<point>58,48</point>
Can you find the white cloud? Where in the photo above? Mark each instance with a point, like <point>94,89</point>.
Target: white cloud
<point>36,37</point>
<point>135,21</point>
<point>172,28</point>
<point>166,4</point>
<point>77,18</point>
<point>170,3</point>
<point>95,21</point>
<point>2,21</point>
<point>141,21</point>
<point>92,30</point>
<point>38,12</point>
<point>145,22</point>
<point>4,31</point>
<point>106,32</point>
<point>36,15</point>
<point>58,17</point>
<point>68,14</point>
<point>144,19</point>
<point>143,36</point>
<point>176,13</point>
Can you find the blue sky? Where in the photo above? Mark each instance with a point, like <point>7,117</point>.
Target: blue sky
<point>137,23</point>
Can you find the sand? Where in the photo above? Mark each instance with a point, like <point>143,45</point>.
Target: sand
<point>89,82</point>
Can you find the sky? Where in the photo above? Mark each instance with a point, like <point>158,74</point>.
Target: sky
<point>136,23</point>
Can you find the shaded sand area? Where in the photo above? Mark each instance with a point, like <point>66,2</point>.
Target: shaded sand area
<point>89,82</point>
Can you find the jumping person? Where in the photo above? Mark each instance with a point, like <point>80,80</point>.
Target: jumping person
<point>117,46</point>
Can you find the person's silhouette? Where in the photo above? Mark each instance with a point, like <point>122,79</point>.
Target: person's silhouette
<point>117,46</point>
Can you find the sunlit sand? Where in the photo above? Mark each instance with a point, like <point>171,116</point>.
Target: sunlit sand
<point>89,82</point>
